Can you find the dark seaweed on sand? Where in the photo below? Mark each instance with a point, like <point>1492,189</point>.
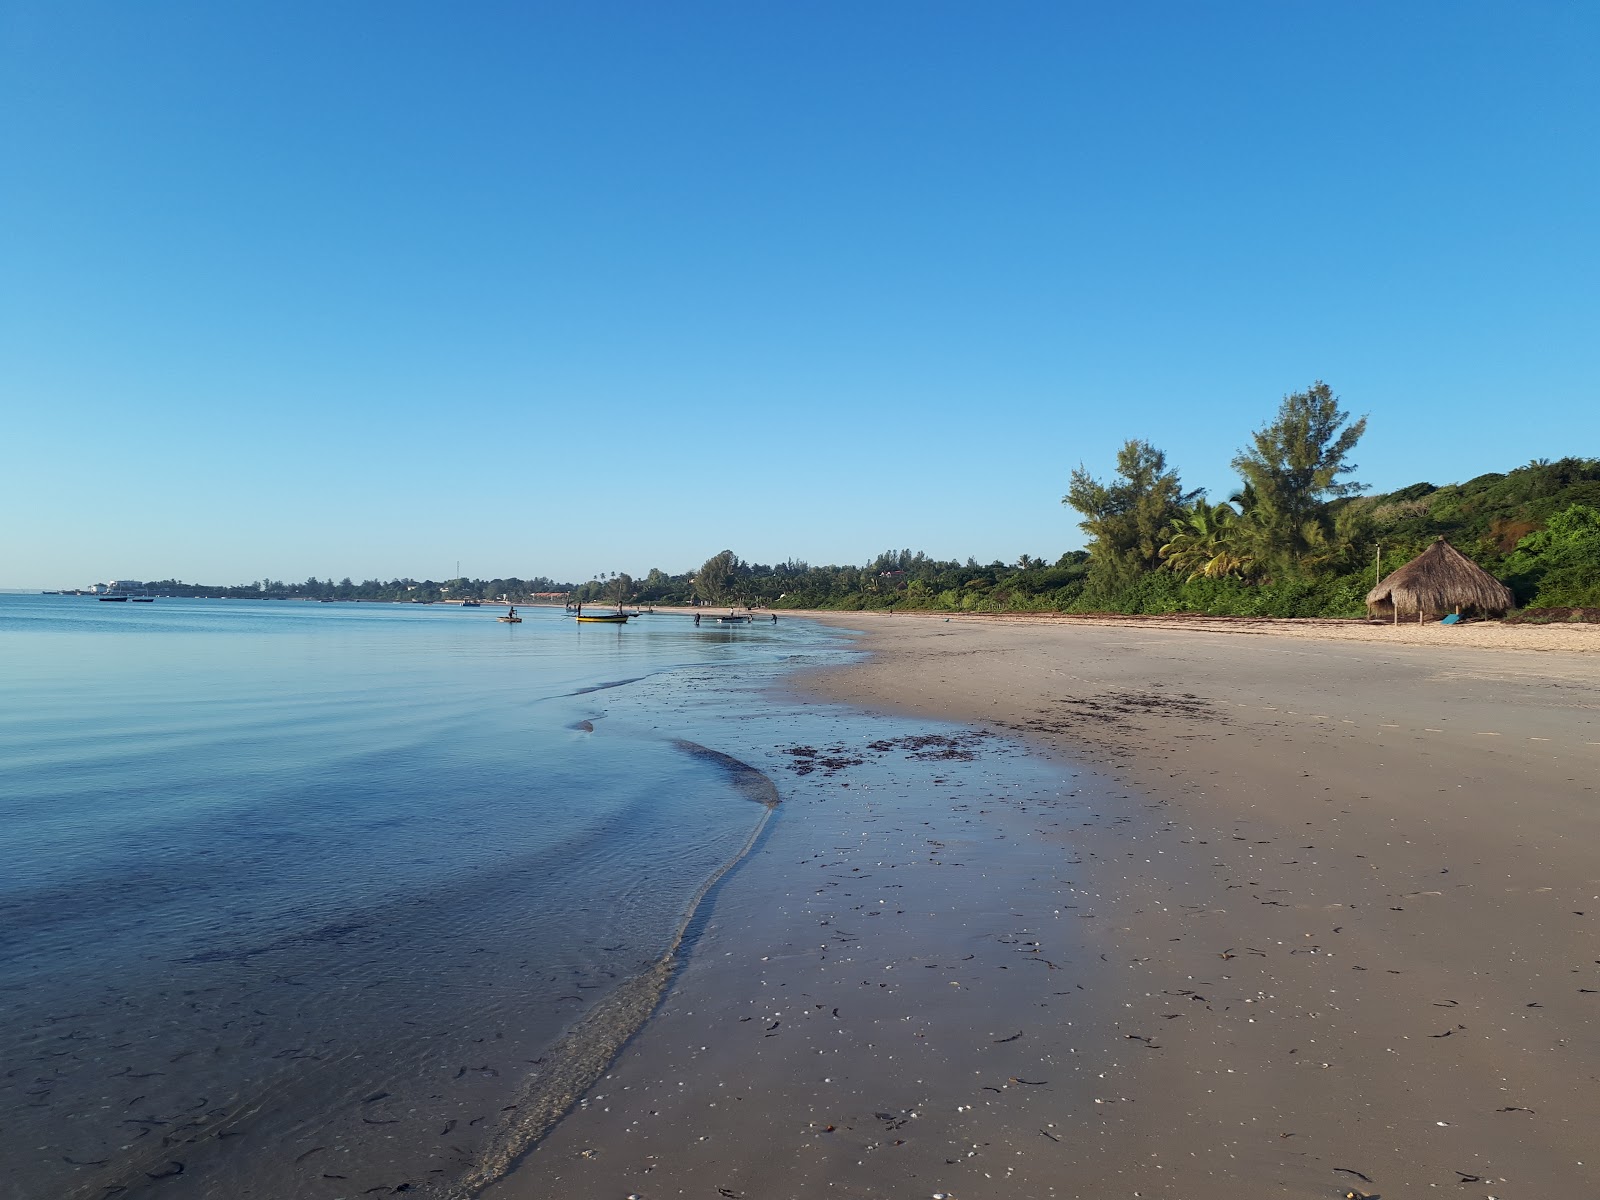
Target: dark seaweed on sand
<point>961,747</point>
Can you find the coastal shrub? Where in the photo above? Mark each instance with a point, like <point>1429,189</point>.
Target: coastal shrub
<point>1165,592</point>
<point>1559,566</point>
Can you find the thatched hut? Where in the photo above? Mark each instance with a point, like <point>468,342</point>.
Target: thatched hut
<point>1438,581</point>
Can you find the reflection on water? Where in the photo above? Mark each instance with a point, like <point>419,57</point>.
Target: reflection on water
<point>295,898</point>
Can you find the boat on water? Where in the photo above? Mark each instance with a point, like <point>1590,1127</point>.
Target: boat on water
<point>510,620</point>
<point>142,599</point>
<point>112,599</point>
<point>601,618</point>
<point>471,604</point>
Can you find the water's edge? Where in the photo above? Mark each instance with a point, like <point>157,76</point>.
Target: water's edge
<point>583,1054</point>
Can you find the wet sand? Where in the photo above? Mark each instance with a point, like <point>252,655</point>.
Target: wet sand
<point>1250,917</point>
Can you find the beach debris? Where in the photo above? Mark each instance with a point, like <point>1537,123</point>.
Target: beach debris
<point>831,761</point>
<point>1352,1171</point>
<point>174,1167</point>
<point>1012,1038</point>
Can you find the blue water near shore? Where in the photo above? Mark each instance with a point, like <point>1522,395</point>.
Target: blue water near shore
<point>270,868</point>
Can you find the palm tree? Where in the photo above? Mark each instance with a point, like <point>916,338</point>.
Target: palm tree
<point>1209,541</point>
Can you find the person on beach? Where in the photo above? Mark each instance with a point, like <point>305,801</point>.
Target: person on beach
<point>697,618</point>
<point>774,618</point>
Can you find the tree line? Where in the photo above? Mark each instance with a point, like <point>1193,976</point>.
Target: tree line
<point>1295,538</point>
<point>422,591</point>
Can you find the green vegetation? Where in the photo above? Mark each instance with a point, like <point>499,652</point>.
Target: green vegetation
<point>1295,540</point>
<point>421,591</point>
<point>1128,519</point>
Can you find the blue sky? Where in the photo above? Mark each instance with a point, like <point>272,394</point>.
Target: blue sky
<point>292,289</point>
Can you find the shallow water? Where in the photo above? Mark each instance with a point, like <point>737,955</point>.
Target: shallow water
<point>295,899</point>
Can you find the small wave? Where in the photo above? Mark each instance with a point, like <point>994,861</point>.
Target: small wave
<point>600,687</point>
<point>587,1050</point>
<point>751,783</point>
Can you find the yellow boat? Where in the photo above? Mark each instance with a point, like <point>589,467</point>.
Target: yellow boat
<point>616,618</point>
<point>510,620</point>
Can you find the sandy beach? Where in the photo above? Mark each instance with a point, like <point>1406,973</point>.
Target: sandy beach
<point>1167,912</point>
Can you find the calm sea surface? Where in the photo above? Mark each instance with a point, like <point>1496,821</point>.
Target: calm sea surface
<point>317,886</point>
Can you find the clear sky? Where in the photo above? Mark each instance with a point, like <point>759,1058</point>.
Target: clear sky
<point>370,288</point>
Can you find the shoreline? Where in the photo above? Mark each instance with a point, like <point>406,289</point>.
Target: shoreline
<point>1562,637</point>
<point>1336,921</point>
<point>582,1054</point>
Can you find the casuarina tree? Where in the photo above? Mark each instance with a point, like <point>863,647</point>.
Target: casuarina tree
<point>1292,468</point>
<point>717,581</point>
<point>1127,519</point>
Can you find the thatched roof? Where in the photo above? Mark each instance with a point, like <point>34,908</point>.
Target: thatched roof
<point>1440,580</point>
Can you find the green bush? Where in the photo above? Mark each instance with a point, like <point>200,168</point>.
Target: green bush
<point>1559,566</point>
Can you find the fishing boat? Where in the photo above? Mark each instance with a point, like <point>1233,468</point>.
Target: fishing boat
<point>510,620</point>
<point>142,599</point>
<point>604,618</point>
<point>112,598</point>
<point>470,604</point>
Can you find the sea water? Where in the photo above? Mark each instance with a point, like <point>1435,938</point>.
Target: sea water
<point>309,892</point>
